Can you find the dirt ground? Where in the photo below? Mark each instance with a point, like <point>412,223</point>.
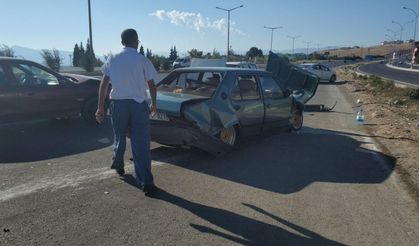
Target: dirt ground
<point>392,118</point>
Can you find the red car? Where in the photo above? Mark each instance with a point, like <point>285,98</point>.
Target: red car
<point>29,91</point>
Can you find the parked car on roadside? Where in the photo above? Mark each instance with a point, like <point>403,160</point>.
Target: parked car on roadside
<point>325,73</point>
<point>29,91</point>
<point>211,107</point>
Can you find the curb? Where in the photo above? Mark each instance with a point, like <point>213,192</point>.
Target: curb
<point>414,70</point>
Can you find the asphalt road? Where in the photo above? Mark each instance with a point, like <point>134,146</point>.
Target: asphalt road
<point>329,184</point>
<point>393,74</point>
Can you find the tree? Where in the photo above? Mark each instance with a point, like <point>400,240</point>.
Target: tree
<point>194,53</point>
<point>76,56</point>
<point>215,54</point>
<point>149,54</point>
<point>52,59</point>
<point>141,50</point>
<point>254,52</point>
<point>88,59</point>
<point>173,54</point>
<point>6,51</point>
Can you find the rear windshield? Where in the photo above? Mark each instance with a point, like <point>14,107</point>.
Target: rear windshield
<point>203,83</point>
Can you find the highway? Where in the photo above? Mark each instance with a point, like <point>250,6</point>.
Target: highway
<point>328,184</point>
<point>393,74</point>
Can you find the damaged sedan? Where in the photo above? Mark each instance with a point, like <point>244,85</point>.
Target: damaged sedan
<point>211,107</point>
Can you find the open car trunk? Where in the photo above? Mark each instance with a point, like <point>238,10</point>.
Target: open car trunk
<point>293,78</point>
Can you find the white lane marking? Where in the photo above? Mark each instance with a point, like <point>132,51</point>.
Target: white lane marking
<point>74,179</point>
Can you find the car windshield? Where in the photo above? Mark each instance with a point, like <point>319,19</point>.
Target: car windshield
<point>202,83</point>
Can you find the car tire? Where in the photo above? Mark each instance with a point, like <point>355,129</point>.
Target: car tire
<point>332,79</point>
<point>229,136</point>
<point>296,120</point>
<point>89,110</point>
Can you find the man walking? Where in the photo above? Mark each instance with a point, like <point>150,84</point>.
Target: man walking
<point>129,72</point>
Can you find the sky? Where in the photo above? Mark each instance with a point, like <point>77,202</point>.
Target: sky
<point>187,24</point>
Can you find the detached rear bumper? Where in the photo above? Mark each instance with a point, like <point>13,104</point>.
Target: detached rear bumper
<point>181,135</point>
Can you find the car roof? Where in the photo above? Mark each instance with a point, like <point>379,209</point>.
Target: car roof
<point>220,69</point>
<point>6,58</point>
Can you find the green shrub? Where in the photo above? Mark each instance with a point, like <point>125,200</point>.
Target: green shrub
<point>414,94</point>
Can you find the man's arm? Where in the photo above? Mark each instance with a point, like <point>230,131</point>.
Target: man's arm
<point>103,91</point>
<point>153,95</point>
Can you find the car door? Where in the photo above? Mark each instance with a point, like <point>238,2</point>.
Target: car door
<point>317,70</point>
<point>248,104</point>
<point>326,73</point>
<point>9,96</point>
<point>42,93</point>
<point>277,105</point>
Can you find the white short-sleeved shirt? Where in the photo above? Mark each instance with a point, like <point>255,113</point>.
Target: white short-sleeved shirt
<point>129,72</point>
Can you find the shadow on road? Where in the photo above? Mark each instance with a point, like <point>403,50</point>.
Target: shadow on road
<point>41,140</point>
<point>249,231</point>
<point>287,163</point>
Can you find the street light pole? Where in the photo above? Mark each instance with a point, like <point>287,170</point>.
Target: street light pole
<point>272,32</point>
<point>416,21</point>
<point>308,43</point>
<point>401,29</point>
<point>293,39</point>
<point>90,30</point>
<point>228,28</point>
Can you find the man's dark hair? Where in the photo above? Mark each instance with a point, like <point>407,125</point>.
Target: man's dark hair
<point>129,36</point>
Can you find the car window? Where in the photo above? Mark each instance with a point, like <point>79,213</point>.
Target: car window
<point>201,83</point>
<point>325,68</point>
<point>245,88</point>
<point>317,67</point>
<point>2,76</point>
<point>270,88</point>
<point>31,75</point>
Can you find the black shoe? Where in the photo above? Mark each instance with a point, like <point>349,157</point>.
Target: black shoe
<point>120,171</point>
<point>149,189</point>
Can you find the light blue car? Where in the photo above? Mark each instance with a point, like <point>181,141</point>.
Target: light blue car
<point>212,107</point>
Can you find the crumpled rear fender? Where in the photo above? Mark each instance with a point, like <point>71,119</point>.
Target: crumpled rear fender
<point>210,117</point>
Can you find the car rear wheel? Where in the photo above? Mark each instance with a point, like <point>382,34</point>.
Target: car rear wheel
<point>332,79</point>
<point>296,120</point>
<point>89,109</point>
<point>229,135</point>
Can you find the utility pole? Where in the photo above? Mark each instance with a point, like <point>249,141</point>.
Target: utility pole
<point>228,28</point>
<point>272,33</point>
<point>293,39</point>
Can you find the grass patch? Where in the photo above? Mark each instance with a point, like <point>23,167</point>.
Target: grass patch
<point>379,83</point>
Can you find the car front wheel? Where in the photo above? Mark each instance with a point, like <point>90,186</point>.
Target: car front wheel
<point>296,120</point>
<point>332,79</point>
<point>229,135</point>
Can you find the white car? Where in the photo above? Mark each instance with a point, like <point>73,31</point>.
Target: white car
<point>182,62</point>
<point>323,72</point>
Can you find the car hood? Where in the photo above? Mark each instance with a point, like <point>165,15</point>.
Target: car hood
<point>292,77</point>
<point>79,79</point>
<point>171,103</point>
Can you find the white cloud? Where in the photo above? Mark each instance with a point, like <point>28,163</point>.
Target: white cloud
<point>195,21</point>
